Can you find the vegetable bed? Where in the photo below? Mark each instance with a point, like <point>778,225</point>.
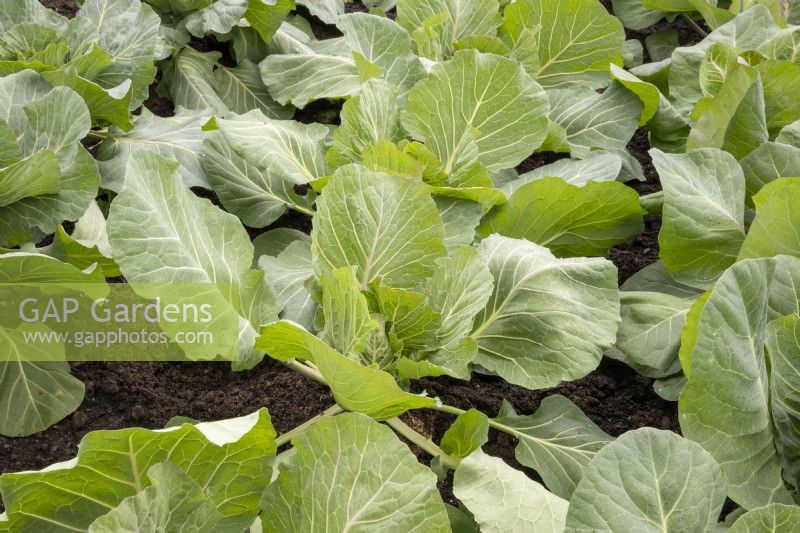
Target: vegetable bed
<point>446,229</point>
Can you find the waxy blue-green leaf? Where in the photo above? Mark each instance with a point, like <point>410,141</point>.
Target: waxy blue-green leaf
<point>767,163</point>
<point>20,11</point>
<point>776,227</point>
<point>127,30</point>
<point>588,120</point>
<point>161,233</point>
<point>292,150</point>
<point>258,196</point>
<point>387,227</point>
<point>53,120</point>
<point>774,518</point>
<point>179,137</point>
<point>374,42</point>
<point>650,333</point>
<point>460,218</point>
<point>173,502</point>
<point>634,15</point>
<point>656,278</point>
<point>703,214</point>
<point>38,391</point>
<point>352,473</point>
<point>241,89</point>
<point>725,406</point>
<point>189,81</point>
<point>230,460</point>
<point>549,319</point>
<point>503,499</point>
<point>783,345</point>
<point>356,387</point>
<point>454,107</point>
<point>571,221</point>
<point>558,441</point>
<point>598,166</point>
<point>658,482</point>
<point>328,11</point>
<point>219,16</point>
<point>576,40</point>
<point>790,135</point>
<point>288,272</point>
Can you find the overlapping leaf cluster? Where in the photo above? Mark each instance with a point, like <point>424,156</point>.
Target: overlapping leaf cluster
<point>430,253</point>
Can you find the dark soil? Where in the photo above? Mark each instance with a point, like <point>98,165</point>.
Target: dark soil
<point>120,395</point>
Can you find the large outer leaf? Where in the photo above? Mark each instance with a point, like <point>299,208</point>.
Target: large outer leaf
<point>43,118</point>
<point>291,149</point>
<point>783,344</point>
<point>230,459</point>
<point>634,15</point>
<point>558,441</point>
<point>352,474</point>
<point>190,81</point>
<point>174,502</point>
<point>591,120</point>
<point>650,333</point>
<point>571,221</point>
<point>775,518</point>
<point>374,43</point>
<point>220,17</point>
<point>161,233</point>
<point>767,163</point>
<point>256,195</point>
<point>549,319</point>
<point>328,11</point>
<point>19,11</point>
<point>776,228</point>
<point>241,89</point>
<point>598,166</point>
<point>35,395</point>
<point>127,30</point>
<point>387,227</point>
<point>657,481</point>
<point>655,277</point>
<point>478,97</point>
<point>703,212</point>
<point>178,137</point>
<point>576,39</point>
<point>725,404</point>
<point>356,387</point>
<point>503,499</point>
